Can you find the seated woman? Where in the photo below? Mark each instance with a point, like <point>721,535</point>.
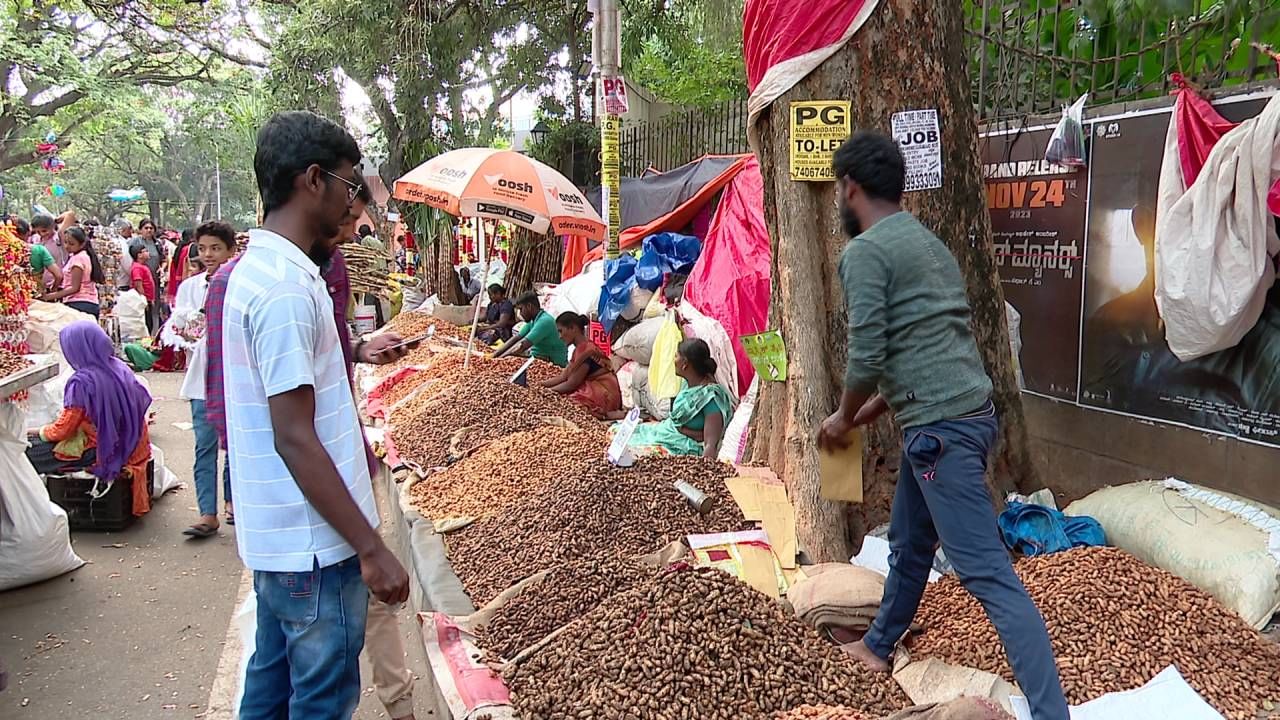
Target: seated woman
<point>499,317</point>
<point>699,414</point>
<point>103,425</point>
<point>587,380</point>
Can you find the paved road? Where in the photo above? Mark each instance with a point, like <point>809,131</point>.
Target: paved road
<point>141,630</point>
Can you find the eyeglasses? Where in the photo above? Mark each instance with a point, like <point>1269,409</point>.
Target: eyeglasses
<point>353,189</point>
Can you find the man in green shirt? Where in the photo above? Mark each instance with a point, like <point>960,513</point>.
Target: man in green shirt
<point>539,338</point>
<point>911,351</point>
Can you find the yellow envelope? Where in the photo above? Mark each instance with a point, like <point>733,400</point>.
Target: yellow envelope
<point>840,472</point>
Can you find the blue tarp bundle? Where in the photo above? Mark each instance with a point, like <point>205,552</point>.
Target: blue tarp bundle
<point>666,253</point>
<point>663,253</point>
<point>1039,530</point>
<point>619,280</point>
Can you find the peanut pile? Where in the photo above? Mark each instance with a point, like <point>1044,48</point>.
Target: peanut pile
<point>437,426</point>
<point>1115,622</point>
<point>567,593</point>
<point>11,362</point>
<point>623,511</point>
<point>693,644</point>
<point>494,478</point>
<point>395,393</point>
<point>822,712</point>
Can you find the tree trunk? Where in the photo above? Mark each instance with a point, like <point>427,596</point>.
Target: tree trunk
<point>909,56</point>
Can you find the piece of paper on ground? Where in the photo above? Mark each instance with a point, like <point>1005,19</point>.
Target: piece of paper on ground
<point>1166,696</point>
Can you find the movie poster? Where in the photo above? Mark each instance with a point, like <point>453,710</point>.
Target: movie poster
<point>1126,366</point>
<point>1038,215</point>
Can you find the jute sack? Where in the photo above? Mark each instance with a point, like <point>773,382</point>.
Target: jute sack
<point>1225,545</point>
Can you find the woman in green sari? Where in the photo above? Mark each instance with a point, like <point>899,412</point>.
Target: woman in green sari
<point>699,414</point>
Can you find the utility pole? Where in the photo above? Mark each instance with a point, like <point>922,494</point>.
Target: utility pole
<point>607,58</point>
<point>217,184</point>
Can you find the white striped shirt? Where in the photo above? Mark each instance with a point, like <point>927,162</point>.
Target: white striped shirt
<point>278,335</point>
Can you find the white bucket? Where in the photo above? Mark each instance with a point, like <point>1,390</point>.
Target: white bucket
<point>366,319</point>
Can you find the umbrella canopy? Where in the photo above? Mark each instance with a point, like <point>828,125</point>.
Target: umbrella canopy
<point>501,185</point>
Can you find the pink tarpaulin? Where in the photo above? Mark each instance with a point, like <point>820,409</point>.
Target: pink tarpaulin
<point>730,281</point>
<point>784,40</point>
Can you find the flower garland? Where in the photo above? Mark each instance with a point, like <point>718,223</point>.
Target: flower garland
<point>16,289</point>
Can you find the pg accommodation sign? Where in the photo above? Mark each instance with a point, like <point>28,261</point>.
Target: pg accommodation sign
<point>818,128</point>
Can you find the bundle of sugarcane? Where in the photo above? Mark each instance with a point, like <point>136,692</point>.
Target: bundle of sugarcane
<point>534,259</point>
<point>367,270</point>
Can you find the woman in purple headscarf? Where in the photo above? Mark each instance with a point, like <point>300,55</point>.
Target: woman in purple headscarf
<point>103,425</point>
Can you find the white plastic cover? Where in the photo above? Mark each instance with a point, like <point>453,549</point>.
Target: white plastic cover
<point>35,543</point>
<point>1216,240</point>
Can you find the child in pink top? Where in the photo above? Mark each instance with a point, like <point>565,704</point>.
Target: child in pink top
<point>81,275</point>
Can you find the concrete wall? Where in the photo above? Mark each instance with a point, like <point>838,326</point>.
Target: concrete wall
<point>1078,450</point>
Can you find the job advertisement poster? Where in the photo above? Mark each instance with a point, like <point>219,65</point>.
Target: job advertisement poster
<point>1126,365</point>
<point>1038,214</point>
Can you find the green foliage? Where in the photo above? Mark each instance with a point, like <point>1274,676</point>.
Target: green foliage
<point>571,147</point>
<point>62,64</point>
<point>1039,53</point>
<point>686,52</point>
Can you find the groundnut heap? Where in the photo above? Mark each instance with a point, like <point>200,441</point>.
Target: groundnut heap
<point>691,644</point>
<point>1115,622</point>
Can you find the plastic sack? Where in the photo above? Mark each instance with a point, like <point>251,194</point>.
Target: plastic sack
<point>1066,147</point>
<point>713,334</point>
<point>35,543</point>
<point>580,293</point>
<point>1226,546</point>
<point>131,310</point>
<point>1038,530</point>
<point>663,381</point>
<point>666,253</point>
<point>619,281</point>
<point>165,479</point>
<point>637,343</point>
<point>734,445</point>
<point>638,306</point>
<point>655,407</point>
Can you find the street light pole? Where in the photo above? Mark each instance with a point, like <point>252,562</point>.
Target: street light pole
<point>607,59</point>
<point>217,184</point>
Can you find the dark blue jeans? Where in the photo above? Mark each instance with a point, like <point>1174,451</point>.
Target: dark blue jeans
<point>306,663</point>
<point>205,470</point>
<point>942,495</point>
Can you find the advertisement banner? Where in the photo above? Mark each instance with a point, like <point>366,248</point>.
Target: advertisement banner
<point>1125,364</point>
<point>1038,216</point>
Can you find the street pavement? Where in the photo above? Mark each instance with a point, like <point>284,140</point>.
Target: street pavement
<point>144,630</point>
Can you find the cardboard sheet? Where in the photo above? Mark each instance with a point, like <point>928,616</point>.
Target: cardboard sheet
<point>779,520</point>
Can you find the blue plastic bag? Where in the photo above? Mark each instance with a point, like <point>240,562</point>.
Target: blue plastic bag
<point>1039,530</point>
<point>619,280</point>
<point>666,253</point>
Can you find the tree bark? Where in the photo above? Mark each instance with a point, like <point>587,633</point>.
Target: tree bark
<point>908,56</point>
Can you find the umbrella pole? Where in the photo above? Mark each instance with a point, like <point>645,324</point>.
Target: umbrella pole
<point>475,319</point>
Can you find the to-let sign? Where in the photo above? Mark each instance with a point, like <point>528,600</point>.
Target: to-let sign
<point>818,128</point>
<point>615,95</point>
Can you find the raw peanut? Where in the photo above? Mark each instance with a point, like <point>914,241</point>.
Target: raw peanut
<point>683,645</point>
<point>11,362</point>
<point>1114,622</point>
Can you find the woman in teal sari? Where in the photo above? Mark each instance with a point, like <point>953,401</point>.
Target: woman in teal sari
<point>699,414</point>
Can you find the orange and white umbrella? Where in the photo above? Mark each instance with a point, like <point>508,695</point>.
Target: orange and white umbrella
<point>501,185</point>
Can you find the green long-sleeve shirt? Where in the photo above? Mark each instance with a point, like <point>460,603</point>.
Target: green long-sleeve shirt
<point>909,334</point>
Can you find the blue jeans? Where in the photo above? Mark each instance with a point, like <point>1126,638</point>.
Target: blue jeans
<point>306,663</point>
<point>206,465</point>
<point>942,495</point>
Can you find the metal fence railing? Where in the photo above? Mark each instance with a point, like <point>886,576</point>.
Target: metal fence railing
<point>685,136</point>
<point>1029,57</point>
<point>1032,56</point>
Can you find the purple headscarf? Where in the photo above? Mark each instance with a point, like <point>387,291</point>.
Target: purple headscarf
<point>114,400</point>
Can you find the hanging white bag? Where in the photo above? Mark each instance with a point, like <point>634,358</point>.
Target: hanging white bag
<point>35,543</point>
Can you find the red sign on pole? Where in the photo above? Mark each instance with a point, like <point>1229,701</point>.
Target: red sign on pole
<point>615,95</point>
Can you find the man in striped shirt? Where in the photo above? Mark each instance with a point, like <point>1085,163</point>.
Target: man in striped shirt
<point>305,513</point>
